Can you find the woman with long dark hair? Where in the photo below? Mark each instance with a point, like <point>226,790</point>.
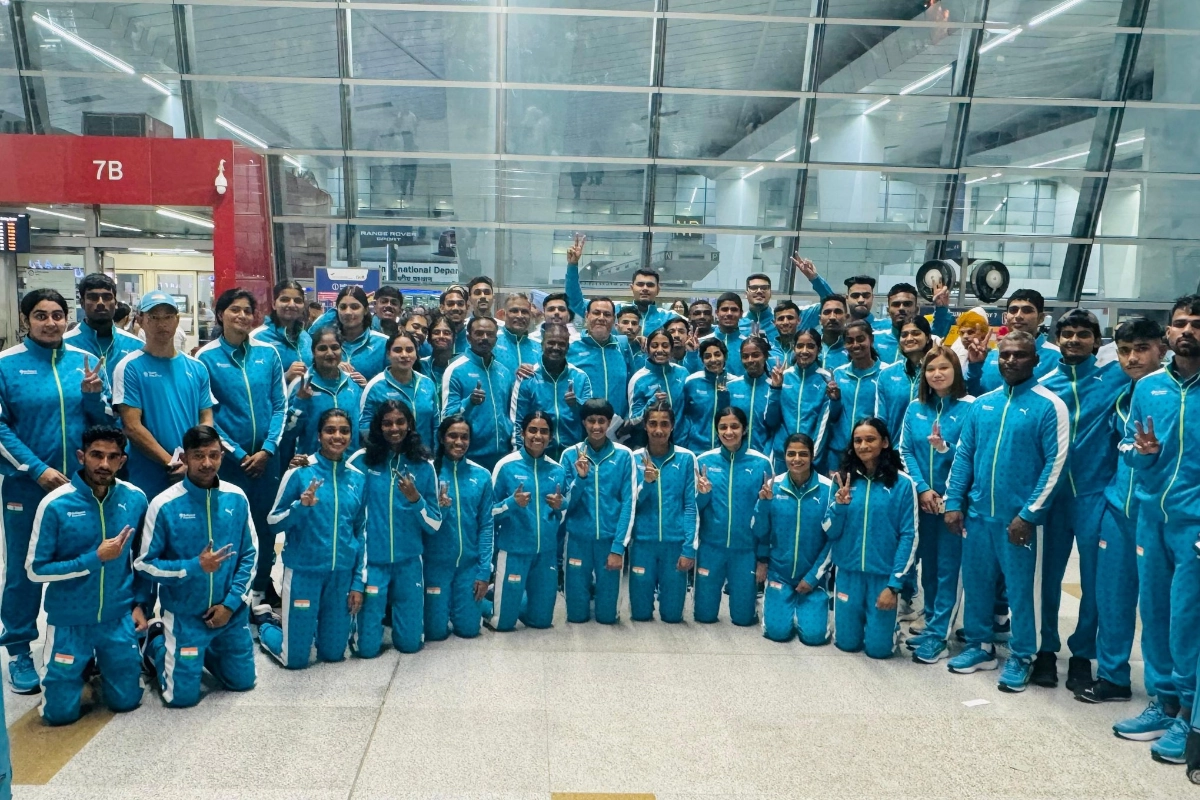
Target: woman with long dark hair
<point>704,393</point>
<point>441,347</point>
<point>853,392</point>
<point>284,330</point>
<point>804,398</point>
<point>458,559</point>
<point>402,507</point>
<point>660,381</point>
<point>363,347</point>
<point>898,382</point>
<point>247,382</point>
<point>325,386</point>
<point>763,383</point>
<point>873,526</point>
<point>401,381</point>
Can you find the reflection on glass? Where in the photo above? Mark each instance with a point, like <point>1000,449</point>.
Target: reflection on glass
<point>99,37</point>
<point>12,109</point>
<point>539,258</point>
<point>72,101</point>
<point>932,11</point>
<point>883,60</point>
<point>728,127</point>
<point>265,41</point>
<point>280,114</point>
<point>423,119</point>
<point>1157,271</point>
<point>1029,136</point>
<point>734,197</point>
<point>579,50</point>
<point>871,200</point>
<point>888,259</point>
<point>902,131</point>
<point>425,188</point>
<point>308,185</point>
<point>1057,13</point>
<point>735,55</point>
<point>1046,62</point>
<point>577,123</point>
<point>423,46</point>
<point>581,192</point>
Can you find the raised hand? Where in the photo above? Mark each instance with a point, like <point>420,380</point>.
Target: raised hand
<point>520,496</point>
<point>576,249</point>
<point>1144,440</point>
<point>305,391</point>
<point>692,342</point>
<point>941,294</point>
<point>569,397</point>
<point>309,497</point>
<point>766,491</point>
<point>807,268</point>
<point>210,560</point>
<point>478,396</point>
<point>294,370</point>
<point>408,487</point>
<point>976,348</point>
<point>582,465</point>
<point>703,484</point>
<point>443,494</point>
<point>555,500</point>
<point>935,438</point>
<point>649,471</point>
<point>832,390</point>
<point>112,548</point>
<point>842,498</point>
<point>92,382</point>
<point>776,379</point>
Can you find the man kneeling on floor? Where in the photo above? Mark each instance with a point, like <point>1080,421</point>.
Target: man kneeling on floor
<point>198,546</point>
<point>80,545</point>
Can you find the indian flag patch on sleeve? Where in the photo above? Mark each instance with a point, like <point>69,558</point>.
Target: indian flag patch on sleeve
<point>66,659</point>
<point>189,652</point>
<point>14,506</point>
<point>370,590</point>
<point>300,604</point>
<point>433,590</point>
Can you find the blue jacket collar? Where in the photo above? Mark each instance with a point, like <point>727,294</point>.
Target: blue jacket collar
<point>863,373</point>
<point>1172,370</point>
<point>198,492</point>
<point>789,486</point>
<point>1021,388</point>
<point>477,359</point>
<point>41,351</point>
<point>1077,371</point>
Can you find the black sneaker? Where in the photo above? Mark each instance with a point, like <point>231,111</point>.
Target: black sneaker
<point>271,597</point>
<point>1079,674</point>
<point>1045,670</point>
<point>1191,752</point>
<point>961,635</point>
<point>1103,691</point>
<point>153,632</point>
<point>262,614</point>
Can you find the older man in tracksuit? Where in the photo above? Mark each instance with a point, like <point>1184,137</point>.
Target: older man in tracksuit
<point>1012,458</point>
<point>198,545</point>
<point>602,487</point>
<point>81,547</point>
<point>1162,443</point>
<point>556,387</point>
<point>478,386</point>
<point>1089,390</point>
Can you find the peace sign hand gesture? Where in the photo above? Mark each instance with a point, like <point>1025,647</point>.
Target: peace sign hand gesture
<point>1144,440</point>
<point>807,268</point>
<point>776,379</point>
<point>650,472</point>
<point>408,487</point>
<point>767,492</point>
<point>576,249</point>
<point>92,382</point>
<point>582,464</point>
<point>703,484</point>
<point>443,494</point>
<point>941,294</point>
<point>305,391</point>
<point>842,497</point>
<point>309,497</point>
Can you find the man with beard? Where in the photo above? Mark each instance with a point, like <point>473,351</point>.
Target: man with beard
<point>834,313</point>
<point>97,334</point>
<point>453,305</point>
<point>902,306</point>
<point>481,294</point>
<point>388,304</point>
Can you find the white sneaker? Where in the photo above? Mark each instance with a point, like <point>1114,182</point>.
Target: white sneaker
<point>907,610</point>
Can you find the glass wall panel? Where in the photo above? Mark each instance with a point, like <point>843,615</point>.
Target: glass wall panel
<point>423,46</point>
<point>587,5</point>
<point>70,100</point>
<point>1045,62</point>
<point>416,119</point>
<point>1151,207</point>
<point>285,42</point>
<point>1029,136</point>
<point>100,37</point>
<point>900,131</point>
<point>725,197</point>
<point>890,259</point>
<point>280,114</point>
<point>145,222</point>
<point>709,263</point>
<point>577,123</point>
<point>12,109</point>
<point>1157,271</point>
<point>308,186</point>
<point>1012,202</point>
<point>890,60</point>
<point>1055,13</point>
<point>8,53</point>
<point>735,55</point>
<point>538,258</point>
<point>871,200</point>
<point>1164,63</point>
<point>1159,140</point>
<point>579,50</point>
<point>790,8</point>
<point>732,127</point>
<point>1032,263</point>
<point>923,10</point>
<point>574,193</point>
<point>421,188</point>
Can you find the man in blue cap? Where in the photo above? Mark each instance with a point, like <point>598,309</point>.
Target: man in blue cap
<point>160,393</point>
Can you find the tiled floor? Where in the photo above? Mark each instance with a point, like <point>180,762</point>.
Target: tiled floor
<point>685,711</point>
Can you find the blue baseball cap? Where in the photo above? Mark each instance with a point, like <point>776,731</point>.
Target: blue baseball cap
<point>157,298</point>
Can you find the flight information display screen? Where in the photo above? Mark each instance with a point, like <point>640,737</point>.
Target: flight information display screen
<point>14,233</point>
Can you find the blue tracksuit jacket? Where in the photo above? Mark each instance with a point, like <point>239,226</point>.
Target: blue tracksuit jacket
<point>1012,455</point>
<point>544,392</point>
<point>897,388</point>
<point>1090,393</point>
<point>701,402</point>
<point>396,528</point>
<point>289,348</point>
<point>985,376</point>
<point>607,366</point>
<point>762,412</point>
<point>180,524</point>
<point>247,382</point>
<point>653,317</point>
<point>433,371</point>
<point>928,468</point>
<point>860,399</point>
<point>512,350</point>
<point>1168,481</point>
<point>887,341</point>
<point>466,534</point>
<point>367,353</point>
<point>877,532</point>
<point>111,349</point>
<point>300,434</point>
<point>810,315</point>
<point>1121,492</point>
<point>652,379</point>
<point>727,512</point>
<point>43,409</point>
<point>794,519</point>
<point>420,394</point>
<point>327,536</point>
<point>533,529</point>
<point>69,526</point>
<point>491,428</point>
<point>666,508</point>
<point>601,505</point>
<point>834,355</point>
<point>804,408</point>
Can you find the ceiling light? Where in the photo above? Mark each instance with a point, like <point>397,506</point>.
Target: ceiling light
<point>998,174</point>
<point>53,213</point>
<point>177,251</point>
<point>754,171</point>
<point>179,215</point>
<point>120,227</point>
<point>977,180</point>
<point>877,106</point>
<point>293,161</point>
<point>1131,141</point>
<point>1060,159</point>
<point>241,134</point>
<point>932,77</point>
<point>1007,37</point>
<point>814,140</point>
<point>158,86</point>
<point>1062,7</point>
<point>791,151</point>
<point>106,57</point>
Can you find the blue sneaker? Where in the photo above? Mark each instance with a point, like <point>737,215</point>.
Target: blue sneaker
<point>23,675</point>
<point>1170,748</point>
<point>1146,726</point>
<point>931,651</point>
<point>914,642</point>
<point>973,659</point>
<point>270,638</point>
<point>1015,675</point>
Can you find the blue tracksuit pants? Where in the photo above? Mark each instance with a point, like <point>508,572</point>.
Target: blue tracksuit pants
<point>400,584</point>
<point>587,572</point>
<point>714,566</point>
<point>1073,521</point>
<point>988,555</point>
<point>526,589</point>
<point>858,624</point>
<point>940,554</point>
<point>22,598</point>
<point>5,760</point>
<point>786,612</point>
<point>314,606</point>
<point>188,647</point>
<point>652,570</point>
<point>260,492</point>
<point>68,649</point>
<point>1169,598</point>
<point>450,600</point>
<point>1116,595</point>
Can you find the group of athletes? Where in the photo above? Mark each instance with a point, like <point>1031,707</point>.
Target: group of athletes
<point>431,470</point>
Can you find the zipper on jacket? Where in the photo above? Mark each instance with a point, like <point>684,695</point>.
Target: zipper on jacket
<point>866,517</point>
<point>596,488</point>
<point>729,504</point>
<point>487,373</point>
<point>1074,427</point>
<point>391,516</point>
<point>62,408</point>
<point>336,511</point>
<point>658,484</point>
<point>208,514</point>
<point>1162,503</point>
<point>750,427</point>
<point>537,504</point>
<point>937,421</point>
<point>249,396</point>
<point>458,513</point>
<point>103,538</point>
<point>996,451</point>
<point>796,543</point>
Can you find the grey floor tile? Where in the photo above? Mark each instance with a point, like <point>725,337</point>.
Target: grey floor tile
<point>465,678</point>
<point>353,683</point>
